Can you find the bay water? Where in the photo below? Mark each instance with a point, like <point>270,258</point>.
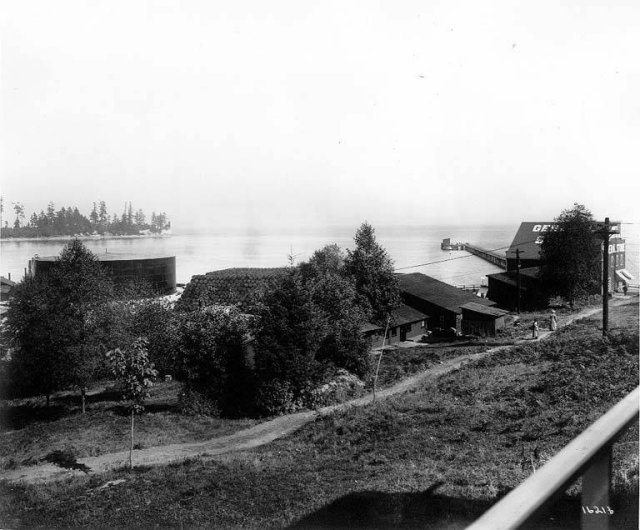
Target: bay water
<point>412,248</point>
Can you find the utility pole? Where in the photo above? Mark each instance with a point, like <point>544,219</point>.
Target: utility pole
<point>518,277</point>
<point>606,231</point>
<point>375,379</point>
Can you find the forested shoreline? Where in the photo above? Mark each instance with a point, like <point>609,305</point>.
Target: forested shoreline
<point>68,221</point>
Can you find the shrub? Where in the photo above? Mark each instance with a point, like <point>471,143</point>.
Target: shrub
<point>212,361</point>
<point>276,396</point>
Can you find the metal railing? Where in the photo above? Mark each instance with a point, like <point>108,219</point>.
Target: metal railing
<point>588,455</point>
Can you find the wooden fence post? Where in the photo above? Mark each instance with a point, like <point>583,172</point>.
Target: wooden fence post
<point>596,483</point>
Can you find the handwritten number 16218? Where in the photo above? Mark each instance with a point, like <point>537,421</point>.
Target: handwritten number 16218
<point>597,510</point>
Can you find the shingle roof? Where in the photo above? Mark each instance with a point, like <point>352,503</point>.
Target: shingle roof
<point>406,315</point>
<point>510,276</point>
<point>368,326</point>
<point>483,309</point>
<point>437,292</point>
<point>7,281</point>
<point>226,287</point>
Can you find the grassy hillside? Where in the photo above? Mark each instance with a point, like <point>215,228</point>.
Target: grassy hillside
<point>439,455</point>
<point>31,431</point>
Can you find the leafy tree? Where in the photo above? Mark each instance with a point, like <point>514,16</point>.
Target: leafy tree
<point>136,374</point>
<point>570,255</point>
<point>372,271</point>
<point>214,360</point>
<point>343,346</point>
<point>49,323</point>
<point>328,260</point>
<point>157,322</point>
<point>335,294</point>
<point>32,335</point>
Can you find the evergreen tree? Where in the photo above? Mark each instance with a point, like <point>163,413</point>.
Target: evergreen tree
<point>139,219</point>
<point>291,329</point>
<point>103,217</point>
<point>372,271</point>
<point>93,217</point>
<point>18,208</point>
<point>51,214</point>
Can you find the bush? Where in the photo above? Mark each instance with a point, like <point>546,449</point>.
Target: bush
<point>213,361</point>
<point>156,321</point>
<point>194,403</point>
<point>276,396</point>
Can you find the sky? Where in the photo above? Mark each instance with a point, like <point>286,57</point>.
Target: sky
<point>261,115</point>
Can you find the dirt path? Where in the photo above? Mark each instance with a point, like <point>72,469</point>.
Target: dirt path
<point>257,435</point>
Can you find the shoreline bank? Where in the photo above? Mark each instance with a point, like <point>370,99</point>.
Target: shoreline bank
<point>81,238</point>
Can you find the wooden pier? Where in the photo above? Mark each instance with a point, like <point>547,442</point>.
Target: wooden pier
<point>500,260</point>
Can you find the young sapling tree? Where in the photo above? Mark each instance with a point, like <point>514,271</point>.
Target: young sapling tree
<point>136,375</point>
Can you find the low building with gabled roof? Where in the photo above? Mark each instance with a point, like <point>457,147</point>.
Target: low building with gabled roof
<point>6,286</point>
<point>405,323</point>
<point>483,320</point>
<point>439,300</point>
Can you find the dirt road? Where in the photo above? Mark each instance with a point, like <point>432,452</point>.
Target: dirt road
<point>255,436</point>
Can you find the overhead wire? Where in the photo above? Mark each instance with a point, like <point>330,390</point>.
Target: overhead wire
<point>468,256</point>
<point>461,257</point>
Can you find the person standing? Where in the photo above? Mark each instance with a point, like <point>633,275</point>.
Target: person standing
<point>553,321</point>
<point>534,329</point>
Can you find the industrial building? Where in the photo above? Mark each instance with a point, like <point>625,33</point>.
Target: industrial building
<point>159,272</point>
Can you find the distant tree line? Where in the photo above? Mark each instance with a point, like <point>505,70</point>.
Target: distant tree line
<point>68,221</point>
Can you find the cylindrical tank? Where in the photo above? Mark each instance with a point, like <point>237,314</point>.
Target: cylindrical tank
<point>157,271</point>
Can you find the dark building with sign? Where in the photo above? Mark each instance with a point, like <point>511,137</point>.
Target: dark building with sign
<point>528,240</point>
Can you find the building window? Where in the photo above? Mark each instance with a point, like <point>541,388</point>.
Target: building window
<point>394,332</point>
<point>422,324</point>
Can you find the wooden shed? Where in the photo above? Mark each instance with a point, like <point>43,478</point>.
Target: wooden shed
<point>482,320</point>
<point>7,287</point>
<point>405,323</point>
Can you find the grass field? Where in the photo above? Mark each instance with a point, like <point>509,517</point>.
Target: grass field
<point>439,455</point>
<point>30,431</point>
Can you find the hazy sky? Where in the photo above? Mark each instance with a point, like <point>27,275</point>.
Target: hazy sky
<point>259,114</point>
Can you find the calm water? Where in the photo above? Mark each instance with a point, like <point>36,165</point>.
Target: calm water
<point>200,253</point>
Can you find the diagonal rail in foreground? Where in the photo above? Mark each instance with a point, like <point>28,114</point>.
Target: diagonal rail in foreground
<point>588,455</point>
